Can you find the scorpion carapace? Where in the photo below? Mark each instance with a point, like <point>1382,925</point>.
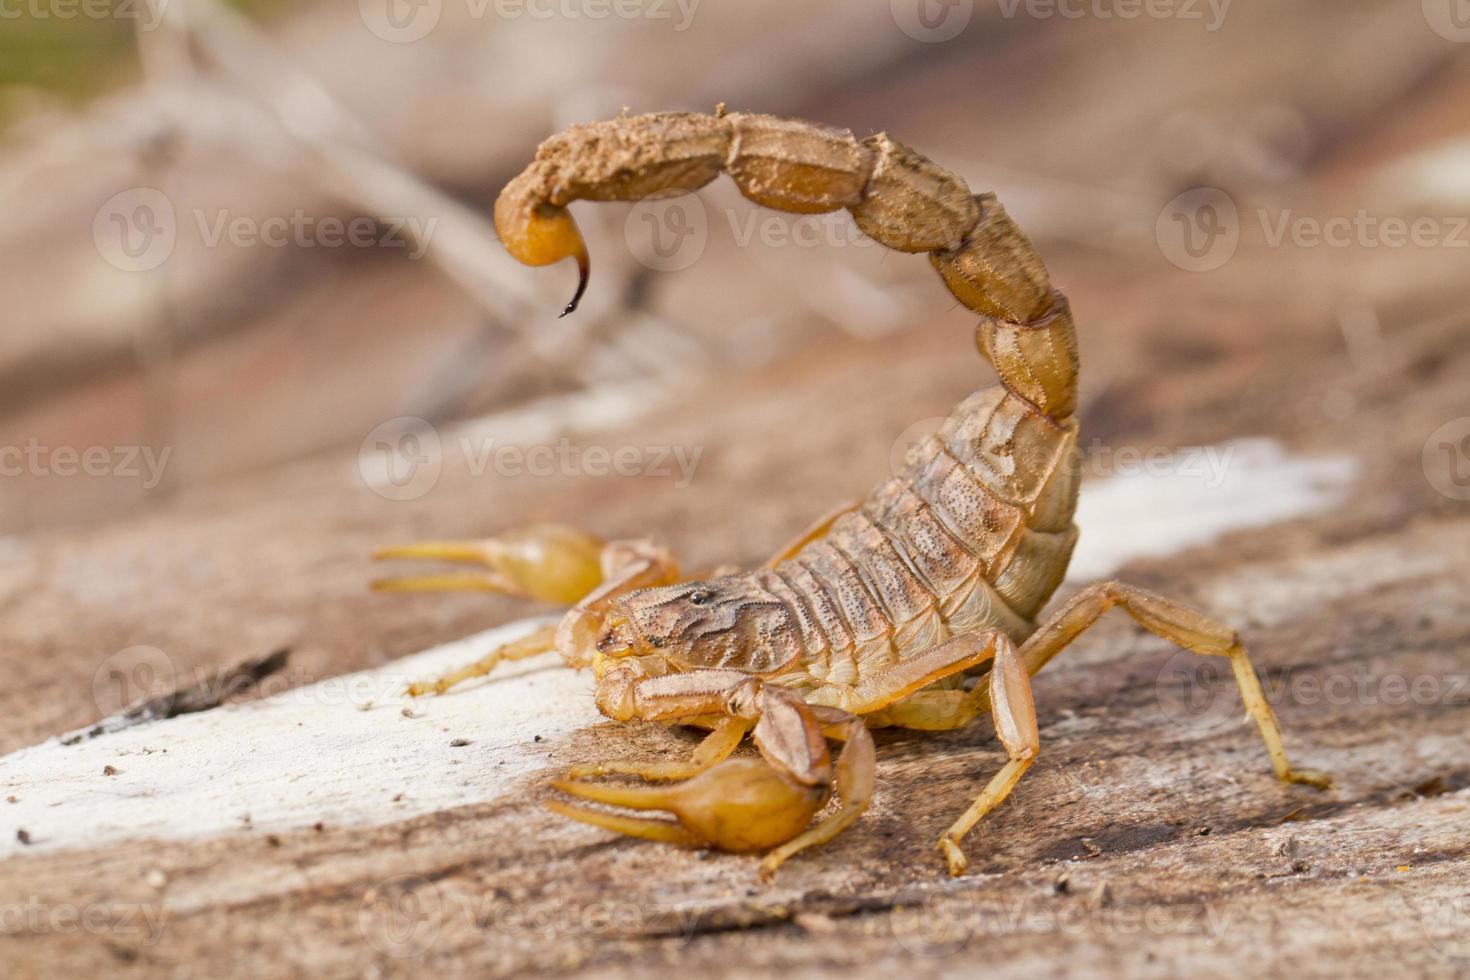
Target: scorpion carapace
<point>916,607</point>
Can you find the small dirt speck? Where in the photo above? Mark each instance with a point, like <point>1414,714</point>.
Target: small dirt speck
<point>459,743</point>
<point>23,835</point>
<point>109,770</point>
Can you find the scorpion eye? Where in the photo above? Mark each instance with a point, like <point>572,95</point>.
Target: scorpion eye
<point>700,596</point>
<point>657,641</point>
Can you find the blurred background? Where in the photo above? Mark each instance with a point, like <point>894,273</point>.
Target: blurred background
<point>239,234</point>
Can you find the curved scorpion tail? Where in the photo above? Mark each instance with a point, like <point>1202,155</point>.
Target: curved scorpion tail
<point>896,196</point>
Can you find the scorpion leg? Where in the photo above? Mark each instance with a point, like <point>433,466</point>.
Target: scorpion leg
<point>541,641</point>
<point>896,696</point>
<point>737,804</point>
<point>1178,624</point>
<point>1015,724</point>
<point>855,778</point>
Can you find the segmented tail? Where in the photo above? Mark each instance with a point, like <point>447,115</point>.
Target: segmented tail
<point>897,197</point>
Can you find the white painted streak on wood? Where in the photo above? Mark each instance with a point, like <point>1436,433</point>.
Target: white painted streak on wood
<point>316,754</point>
<point>1190,497</point>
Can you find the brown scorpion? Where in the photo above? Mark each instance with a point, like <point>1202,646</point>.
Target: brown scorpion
<point>916,607</point>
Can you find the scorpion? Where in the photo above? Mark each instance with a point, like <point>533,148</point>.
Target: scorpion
<point>917,607</point>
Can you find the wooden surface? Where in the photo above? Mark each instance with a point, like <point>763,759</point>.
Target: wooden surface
<point>1139,842</point>
<point>1150,838</point>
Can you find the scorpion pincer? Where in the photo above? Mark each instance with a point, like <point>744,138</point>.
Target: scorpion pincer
<point>915,607</point>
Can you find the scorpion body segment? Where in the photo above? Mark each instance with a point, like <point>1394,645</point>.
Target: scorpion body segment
<point>976,532</point>
<point>882,612</point>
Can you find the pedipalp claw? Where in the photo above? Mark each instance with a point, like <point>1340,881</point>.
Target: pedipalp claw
<point>665,831</point>
<point>467,582</point>
<point>738,805</point>
<point>477,552</point>
<point>549,562</point>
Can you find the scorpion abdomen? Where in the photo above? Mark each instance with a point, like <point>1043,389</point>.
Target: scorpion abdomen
<point>964,539</point>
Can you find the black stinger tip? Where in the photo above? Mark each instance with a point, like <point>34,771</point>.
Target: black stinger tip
<point>584,272</point>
